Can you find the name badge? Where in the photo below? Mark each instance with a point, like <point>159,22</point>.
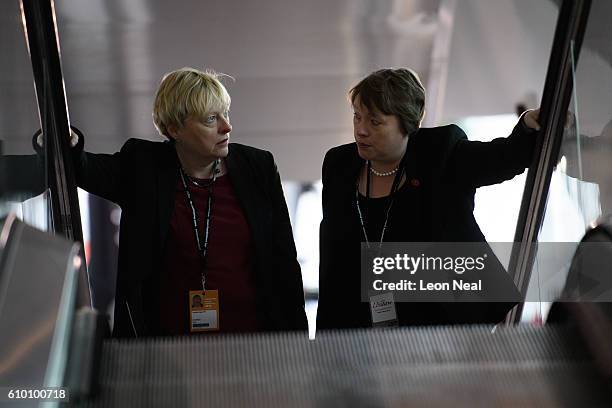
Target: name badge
<point>382,309</point>
<point>203,310</point>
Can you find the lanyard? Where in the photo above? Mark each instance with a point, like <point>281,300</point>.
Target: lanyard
<point>202,247</point>
<point>394,187</point>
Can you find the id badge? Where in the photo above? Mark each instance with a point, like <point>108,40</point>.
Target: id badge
<point>203,310</point>
<point>382,309</point>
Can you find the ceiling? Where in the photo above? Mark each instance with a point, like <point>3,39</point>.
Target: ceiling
<point>292,63</point>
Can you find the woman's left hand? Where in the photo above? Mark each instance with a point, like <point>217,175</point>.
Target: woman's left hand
<point>531,118</point>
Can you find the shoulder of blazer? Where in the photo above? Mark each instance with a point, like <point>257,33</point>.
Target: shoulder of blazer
<point>253,165</point>
<point>341,153</point>
<point>249,151</point>
<point>436,145</point>
<point>133,144</point>
<point>341,161</point>
<point>440,137</point>
<point>140,147</point>
<point>139,152</point>
<point>256,159</point>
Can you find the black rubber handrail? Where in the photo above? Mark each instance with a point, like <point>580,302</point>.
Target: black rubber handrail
<point>43,46</point>
<point>569,33</point>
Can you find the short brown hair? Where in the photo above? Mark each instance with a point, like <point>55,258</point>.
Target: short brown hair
<point>396,92</point>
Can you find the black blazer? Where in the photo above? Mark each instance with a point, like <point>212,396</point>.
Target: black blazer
<point>141,178</point>
<point>448,168</point>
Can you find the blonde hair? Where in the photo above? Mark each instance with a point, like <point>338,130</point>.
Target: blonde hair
<point>188,92</point>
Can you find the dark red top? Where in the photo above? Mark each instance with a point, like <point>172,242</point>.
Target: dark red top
<point>229,263</point>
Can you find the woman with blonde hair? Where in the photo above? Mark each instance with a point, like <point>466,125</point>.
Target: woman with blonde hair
<point>200,216</point>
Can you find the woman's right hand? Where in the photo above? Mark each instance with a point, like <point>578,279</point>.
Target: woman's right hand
<point>74,139</point>
<point>531,118</point>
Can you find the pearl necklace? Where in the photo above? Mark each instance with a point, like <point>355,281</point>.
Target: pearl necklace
<point>383,173</point>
